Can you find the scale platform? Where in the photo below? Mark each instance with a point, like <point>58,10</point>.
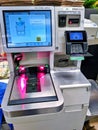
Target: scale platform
<point>32,93</point>
<point>36,89</point>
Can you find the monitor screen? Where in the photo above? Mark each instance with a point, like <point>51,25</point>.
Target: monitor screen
<point>76,36</point>
<point>28,28</point>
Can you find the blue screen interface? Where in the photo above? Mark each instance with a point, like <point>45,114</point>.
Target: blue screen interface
<point>76,36</point>
<point>28,28</point>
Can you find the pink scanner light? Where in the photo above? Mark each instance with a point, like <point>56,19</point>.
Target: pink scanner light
<point>22,84</point>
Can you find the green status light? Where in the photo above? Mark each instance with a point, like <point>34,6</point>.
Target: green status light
<point>17,68</point>
<point>76,57</point>
<point>46,65</point>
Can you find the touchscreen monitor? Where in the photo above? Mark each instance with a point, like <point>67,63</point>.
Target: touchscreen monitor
<point>28,29</point>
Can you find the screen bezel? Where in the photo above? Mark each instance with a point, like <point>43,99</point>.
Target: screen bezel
<point>80,31</point>
<point>27,8</point>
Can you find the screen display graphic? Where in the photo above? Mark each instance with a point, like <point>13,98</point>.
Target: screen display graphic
<point>76,36</point>
<point>28,28</point>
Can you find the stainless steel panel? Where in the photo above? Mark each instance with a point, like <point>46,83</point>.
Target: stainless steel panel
<point>47,89</point>
<point>93,104</point>
<point>59,79</point>
<point>31,108</point>
<point>70,78</point>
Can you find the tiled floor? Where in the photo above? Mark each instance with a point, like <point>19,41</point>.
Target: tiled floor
<point>5,127</point>
<point>94,122</point>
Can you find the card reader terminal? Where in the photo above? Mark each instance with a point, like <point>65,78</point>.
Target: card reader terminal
<point>76,42</point>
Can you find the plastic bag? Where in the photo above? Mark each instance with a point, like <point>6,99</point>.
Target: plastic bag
<point>4,69</point>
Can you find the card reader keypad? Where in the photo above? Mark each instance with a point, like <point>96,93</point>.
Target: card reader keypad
<point>76,49</point>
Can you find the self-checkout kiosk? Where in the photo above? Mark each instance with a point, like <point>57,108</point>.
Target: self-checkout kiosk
<point>40,95</point>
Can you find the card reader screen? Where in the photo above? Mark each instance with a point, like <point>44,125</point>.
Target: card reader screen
<point>76,36</point>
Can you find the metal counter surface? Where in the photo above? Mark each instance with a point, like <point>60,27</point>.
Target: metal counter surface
<point>71,78</point>
<point>46,92</point>
<point>60,79</point>
<point>26,109</point>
